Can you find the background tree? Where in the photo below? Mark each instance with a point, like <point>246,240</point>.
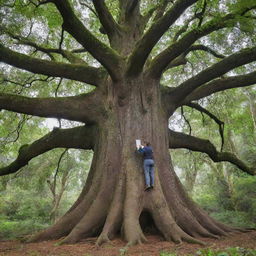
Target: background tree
<point>142,42</point>
<point>219,187</point>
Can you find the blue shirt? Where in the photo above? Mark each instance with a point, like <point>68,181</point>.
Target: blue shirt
<point>147,152</point>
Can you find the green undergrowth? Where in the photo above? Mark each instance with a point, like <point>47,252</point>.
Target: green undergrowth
<point>10,230</point>
<point>234,251</point>
<point>235,218</point>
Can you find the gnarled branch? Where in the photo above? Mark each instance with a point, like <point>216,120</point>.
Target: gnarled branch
<point>200,47</point>
<point>148,41</point>
<point>161,61</point>
<point>213,117</point>
<point>84,108</point>
<point>70,56</point>
<point>105,17</point>
<point>235,60</point>
<point>181,59</point>
<point>221,84</point>
<point>77,72</point>
<point>181,140</point>
<point>81,137</point>
<point>106,56</point>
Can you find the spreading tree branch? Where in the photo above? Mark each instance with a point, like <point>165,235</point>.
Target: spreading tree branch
<point>72,58</point>
<point>182,60</point>
<point>161,61</point>
<point>81,137</point>
<point>105,17</point>
<point>151,37</point>
<point>27,83</point>
<point>77,72</point>
<point>84,108</point>
<point>221,84</point>
<point>200,47</point>
<point>101,52</point>
<point>181,140</point>
<point>184,28</point>
<point>69,55</point>
<point>16,131</point>
<point>235,60</point>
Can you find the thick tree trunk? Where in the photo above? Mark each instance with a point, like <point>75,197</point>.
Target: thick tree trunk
<point>113,200</point>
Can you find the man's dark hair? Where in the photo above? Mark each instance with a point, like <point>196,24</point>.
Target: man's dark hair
<point>148,144</point>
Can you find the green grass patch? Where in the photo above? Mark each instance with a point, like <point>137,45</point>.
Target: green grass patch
<point>235,251</point>
<point>10,230</point>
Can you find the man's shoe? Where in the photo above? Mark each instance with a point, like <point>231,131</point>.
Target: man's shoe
<point>152,186</point>
<point>147,188</point>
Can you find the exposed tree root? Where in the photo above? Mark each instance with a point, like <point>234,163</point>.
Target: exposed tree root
<point>103,238</point>
<point>111,205</point>
<point>114,217</point>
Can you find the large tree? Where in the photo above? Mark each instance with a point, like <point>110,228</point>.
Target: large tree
<point>139,43</point>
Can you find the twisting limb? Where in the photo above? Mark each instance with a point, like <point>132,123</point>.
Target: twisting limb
<point>150,38</point>
<point>62,107</point>
<point>27,83</point>
<point>212,116</point>
<point>221,84</point>
<point>186,120</point>
<point>61,38</point>
<point>105,17</point>
<point>89,7</point>
<point>180,60</point>
<point>197,15</point>
<point>77,72</point>
<point>69,55</point>
<point>235,60</point>
<point>181,140</point>
<point>18,129</point>
<point>160,62</point>
<point>81,137</point>
<point>105,55</point>
<point>200,47</point>
<point>72,58</point>
<point>183,28</point>
<point>21,40</point>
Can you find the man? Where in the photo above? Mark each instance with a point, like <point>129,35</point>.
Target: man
<point>148,165</point>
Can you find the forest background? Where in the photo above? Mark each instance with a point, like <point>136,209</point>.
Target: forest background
<point>41,192</point>
<point>44,190</point>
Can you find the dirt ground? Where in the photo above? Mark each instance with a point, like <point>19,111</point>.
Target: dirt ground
<point>154,247</point>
